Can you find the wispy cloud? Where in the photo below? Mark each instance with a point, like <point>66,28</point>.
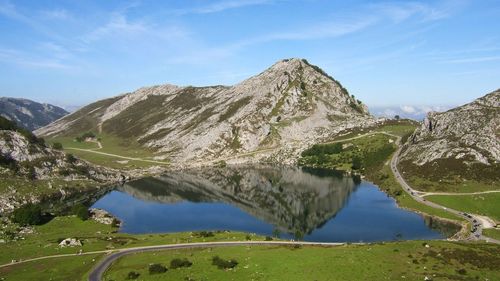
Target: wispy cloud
<point>473,59</point>
<point>221,6</point>
<point>56,14</point>
<point>26,60</point>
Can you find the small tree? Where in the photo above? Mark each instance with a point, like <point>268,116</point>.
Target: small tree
<point>356,163</point>
<point>276,233</point>
<point>157,268</point>
<point>397,117</point>
<point>28,214</point>
<point>81,211</point>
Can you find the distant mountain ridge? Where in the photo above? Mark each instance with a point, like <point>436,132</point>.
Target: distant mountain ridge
<point>29,114</point>
<point>286,108</point>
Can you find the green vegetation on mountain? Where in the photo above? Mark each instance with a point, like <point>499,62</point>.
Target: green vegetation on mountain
<point>414,260</point>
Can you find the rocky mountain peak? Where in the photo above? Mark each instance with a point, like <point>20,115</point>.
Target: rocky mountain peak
<point>292,102</point>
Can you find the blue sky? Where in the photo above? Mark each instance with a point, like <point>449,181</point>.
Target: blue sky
<point>386,53</point>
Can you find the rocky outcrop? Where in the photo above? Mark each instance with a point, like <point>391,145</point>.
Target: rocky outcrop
<point>29,114</point>
<point>102,216</point>
<point>282,110</point>
<point>70,242</point>
<point>27,164</point>
<point>459,140</point>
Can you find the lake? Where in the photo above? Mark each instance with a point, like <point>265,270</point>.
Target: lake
<point>298,203</point>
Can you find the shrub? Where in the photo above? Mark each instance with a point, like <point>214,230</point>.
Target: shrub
<point>57,145</point>
<point>70,158</point>
<point>224,264</point>
<point>269,238</point>
<point>80,211</point>
<point>157,268</point>
<point>203,234</point>
<point>28,214</point>
<point>177,263</point>
<point>132,275</point>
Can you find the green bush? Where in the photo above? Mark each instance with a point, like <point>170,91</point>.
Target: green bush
<point>132,275</point>
<point>269,238</point>
<point>157,268</point>
<point>203,234</point>
<point>28,214</point>
<point>178,263</point>
<point>80,211</point>
<point>57,145</point>
<point>70,158</point>
<point>224,264</point>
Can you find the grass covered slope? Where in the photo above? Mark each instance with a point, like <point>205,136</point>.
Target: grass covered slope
<point>392,261</point>
<point>481,204</point>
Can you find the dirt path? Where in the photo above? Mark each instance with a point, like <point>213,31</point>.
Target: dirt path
<point>119,156</point>
<point>423,194</point>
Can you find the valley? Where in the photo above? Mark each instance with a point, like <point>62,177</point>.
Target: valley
<point>262,154</point>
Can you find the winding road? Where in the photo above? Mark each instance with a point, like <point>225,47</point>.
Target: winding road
<point>476,221</point>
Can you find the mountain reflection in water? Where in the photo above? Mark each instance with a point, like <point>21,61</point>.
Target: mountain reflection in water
<point>294,201</point>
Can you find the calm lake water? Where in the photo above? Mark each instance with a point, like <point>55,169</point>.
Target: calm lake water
<point>300,203</point>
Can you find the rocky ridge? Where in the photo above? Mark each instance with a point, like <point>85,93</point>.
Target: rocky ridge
<point>29,114</point>
<point>463,137</point>
<point>284,109</point>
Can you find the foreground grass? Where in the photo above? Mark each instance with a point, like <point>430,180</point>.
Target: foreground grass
<point>64,269</point>
<point>481,204</point>
<point>392,261</point>
<point>95,237</point>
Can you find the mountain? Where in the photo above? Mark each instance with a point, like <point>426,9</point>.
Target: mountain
<point>30,170</point>
<point>280,111</point>
<point>29,114</point>
<point>459,144</point>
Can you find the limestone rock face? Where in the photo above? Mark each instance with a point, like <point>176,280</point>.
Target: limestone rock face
<point>468,134</point>
<point>283,109</point>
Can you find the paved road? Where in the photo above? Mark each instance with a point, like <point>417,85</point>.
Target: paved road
<point>477,224</point>
<point>105,263</point>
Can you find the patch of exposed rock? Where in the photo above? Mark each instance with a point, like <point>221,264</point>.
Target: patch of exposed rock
<point>70,242</point>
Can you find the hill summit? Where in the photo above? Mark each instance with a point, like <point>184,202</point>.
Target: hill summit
<point>272,115</point>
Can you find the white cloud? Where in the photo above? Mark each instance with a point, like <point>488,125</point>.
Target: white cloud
<point>408,109</point>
